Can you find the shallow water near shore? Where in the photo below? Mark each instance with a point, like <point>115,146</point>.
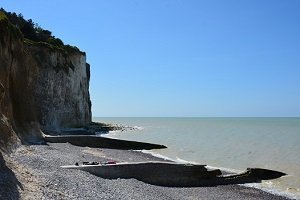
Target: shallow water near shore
<point>230,143</point>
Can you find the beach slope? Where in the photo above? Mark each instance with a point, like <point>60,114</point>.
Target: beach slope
<point>49,181</point>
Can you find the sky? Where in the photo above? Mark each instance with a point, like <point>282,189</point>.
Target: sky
<point>182,58</point>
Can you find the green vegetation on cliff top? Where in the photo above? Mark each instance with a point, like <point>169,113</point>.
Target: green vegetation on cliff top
<point>34,34</point>
<point>2,16</point>
<point>5,26</point>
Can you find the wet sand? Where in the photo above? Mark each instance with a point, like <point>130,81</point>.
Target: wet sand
<point>39,176</point>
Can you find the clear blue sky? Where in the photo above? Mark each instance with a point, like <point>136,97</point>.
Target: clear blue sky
<point>182,57</point>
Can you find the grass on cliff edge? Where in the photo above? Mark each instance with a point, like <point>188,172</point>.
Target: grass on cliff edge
<point>6,26</point>
<point>2,16</point>
<point>65,49</point>
<point>34,35</point>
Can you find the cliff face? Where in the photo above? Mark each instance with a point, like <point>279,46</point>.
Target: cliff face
<point>40,87</point>
<point>61,88</point>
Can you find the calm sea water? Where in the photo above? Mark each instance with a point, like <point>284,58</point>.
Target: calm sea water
<point>231,143</point>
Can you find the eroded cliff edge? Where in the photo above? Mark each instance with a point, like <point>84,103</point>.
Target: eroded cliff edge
<point>41,87</point>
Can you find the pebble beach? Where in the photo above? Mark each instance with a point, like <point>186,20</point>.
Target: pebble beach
<point>34,172</point>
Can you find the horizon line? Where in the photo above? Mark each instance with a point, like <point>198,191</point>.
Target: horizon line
<point>195,116</point>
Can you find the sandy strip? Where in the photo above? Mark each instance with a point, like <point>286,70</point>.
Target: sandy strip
<point>37,168</point>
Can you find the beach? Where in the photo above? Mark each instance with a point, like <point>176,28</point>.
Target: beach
<point>36,174</point>
<point>208,87</point>
<point>232,144</point>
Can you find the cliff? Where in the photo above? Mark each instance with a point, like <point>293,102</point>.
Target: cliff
<point>42,87</point>
<point>60,88</point>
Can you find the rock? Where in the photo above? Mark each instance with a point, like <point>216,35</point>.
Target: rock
<point>40,88</point>
<point>61,93</point>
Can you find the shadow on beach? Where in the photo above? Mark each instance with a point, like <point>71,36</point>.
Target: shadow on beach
<point>9,184</point>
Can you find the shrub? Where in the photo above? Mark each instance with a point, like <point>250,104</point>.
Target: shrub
<point>35,33</point>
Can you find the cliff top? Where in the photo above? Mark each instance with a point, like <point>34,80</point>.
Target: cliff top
<point>2,16</point>
<point>34,35</point>
<point>3,19</point>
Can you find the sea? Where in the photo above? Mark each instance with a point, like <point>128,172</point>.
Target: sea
<point>231,144</point>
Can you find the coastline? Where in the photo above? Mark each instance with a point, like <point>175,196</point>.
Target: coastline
<point>226,156</point>
<point>224,170</point>
<point>49,181</point>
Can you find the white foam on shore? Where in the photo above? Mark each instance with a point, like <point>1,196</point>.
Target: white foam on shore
<point>266,187</point>
<point>111,134</point>
<point>138,128</point>
<point>179,160</point>
<point>156,155</point>
<point>115,133</point>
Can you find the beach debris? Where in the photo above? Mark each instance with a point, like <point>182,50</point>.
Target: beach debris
<point>109,162</point>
